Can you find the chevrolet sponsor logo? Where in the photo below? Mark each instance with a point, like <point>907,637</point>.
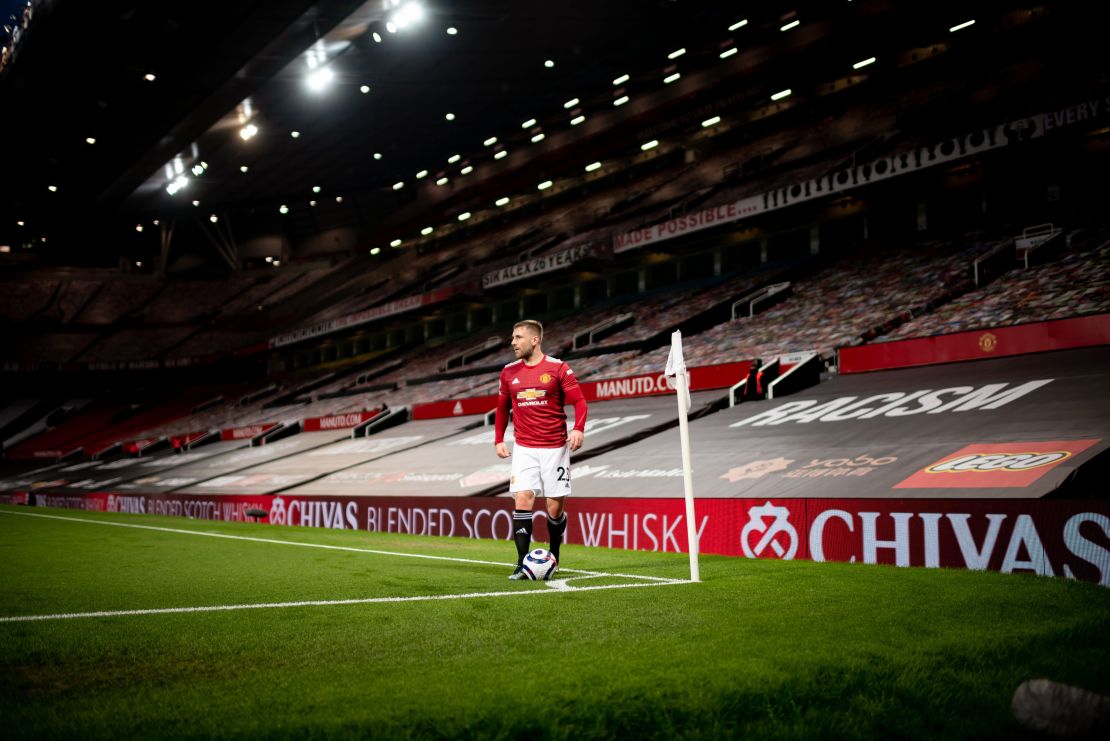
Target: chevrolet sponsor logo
<point>530,394</point>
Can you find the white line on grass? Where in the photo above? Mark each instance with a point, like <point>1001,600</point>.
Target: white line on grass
<point>324,603</point>
<point>562,588</point>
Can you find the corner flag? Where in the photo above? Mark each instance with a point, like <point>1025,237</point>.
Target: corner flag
<point>677,374</point>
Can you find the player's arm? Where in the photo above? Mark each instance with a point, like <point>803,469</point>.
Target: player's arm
<point>501,418</point>
<point>572,395</point>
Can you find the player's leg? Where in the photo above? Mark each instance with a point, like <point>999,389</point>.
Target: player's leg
<point>555,474</point>
<point>523,485</point>
<point>556,523</point>
<point>522,525</point>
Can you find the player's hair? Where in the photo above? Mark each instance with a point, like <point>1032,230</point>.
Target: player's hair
<point>533,326</point>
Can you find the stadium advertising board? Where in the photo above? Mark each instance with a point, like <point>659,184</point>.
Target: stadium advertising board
<point>362,317</point>
<point>1064,538</point>
<point>246,433</point>
<point>629,387</point>
<point>997,342</point>
<point>338,421</point>
<point>930,155</point>
<point>543,264</point>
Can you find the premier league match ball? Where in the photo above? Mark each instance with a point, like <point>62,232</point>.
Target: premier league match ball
<point>539,565</point>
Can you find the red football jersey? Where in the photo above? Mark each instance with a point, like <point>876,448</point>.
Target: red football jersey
<point>538,394</point>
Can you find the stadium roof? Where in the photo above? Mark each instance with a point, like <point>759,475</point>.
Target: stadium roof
<point>114,102</point>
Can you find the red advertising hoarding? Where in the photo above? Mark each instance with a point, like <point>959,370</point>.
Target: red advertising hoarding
<point>338,421</point>
<point>248,432</point>
<point>1060,334</point>
<point>1065,537</point>
<point>649,384</point>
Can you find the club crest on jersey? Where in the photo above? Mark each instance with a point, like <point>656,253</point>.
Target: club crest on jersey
<point>545,378</point>
<point>530,394</point>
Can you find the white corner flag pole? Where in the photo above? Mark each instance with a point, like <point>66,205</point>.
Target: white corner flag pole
<point>676,366</point>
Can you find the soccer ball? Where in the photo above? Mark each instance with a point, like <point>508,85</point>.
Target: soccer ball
<point>539,565</point>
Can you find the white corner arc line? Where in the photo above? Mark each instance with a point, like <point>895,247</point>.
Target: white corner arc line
<point>302,544</point>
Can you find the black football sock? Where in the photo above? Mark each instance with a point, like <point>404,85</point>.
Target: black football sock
<point>556,528</point>
<point>522,533</point>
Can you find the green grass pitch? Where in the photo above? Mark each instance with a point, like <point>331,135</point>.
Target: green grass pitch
<point>759,648</point>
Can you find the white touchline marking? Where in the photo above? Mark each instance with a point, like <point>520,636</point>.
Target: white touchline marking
<point>323,603</point>
<point>274,541</point>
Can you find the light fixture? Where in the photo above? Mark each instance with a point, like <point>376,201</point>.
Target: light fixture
<point>442,181</point>
<point>450,116</point>
<point>213,218</point>
<point>138,263</point>
<point>364,89</point>
<point>427,230</point>
<point>243,168</point>
<point>250,130</point>
<point>196,203</point>
<point>398,185</point>
<point>269,258</point>
<point>571,103</point>
<point>503,201</point>
<point>339,199</point>
<point>538,138</point>
<point>375,250</point>
<point>421,174</point>
<point>149,77</point>
<point>738,24</point>
<point>464,216</point>
<point>90,140</point>
<point>377,37</point>
<point>139,228</point>
<point>315,188</point>
<point>391,26</point>
<point>676,53</point>
<point>467,170</point>
<point>377,155</point>
<point>961,26</point>
<point>864,63</point>
<point>781,94</point>
<point>453,159</point>
<point>177,184</point>
<point>649,145</point>
<point>577,120</point>
<point>409,14</point>
<point>500,155</point>
<point>319,79</point>
<point>19,223</point>
<point>283,209</point>
<point>395,243</point>
<point>155,222</point>
<point>294,134</point>
<point>490,142</point>
<point>792,24</point>
<point>528,124</point>
<point>621,80</point>
<point>728,53</point>
<point>452,31</point>
<point>545,185</point>
<point>593,166</point>
<point>312,204</point>
<point>671,78</point>
<point>621,100</point>
<point>710,122</point>
<point>548,63</point>
<point>52,188</point>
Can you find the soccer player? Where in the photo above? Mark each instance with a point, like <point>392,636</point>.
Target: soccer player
<point>538,387</point>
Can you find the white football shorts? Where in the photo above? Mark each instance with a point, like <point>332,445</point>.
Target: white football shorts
<point>545,471</point>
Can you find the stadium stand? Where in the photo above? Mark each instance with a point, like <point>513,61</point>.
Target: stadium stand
<point>1076,284</point>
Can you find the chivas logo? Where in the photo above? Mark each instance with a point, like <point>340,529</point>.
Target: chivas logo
<point>771,534</point>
